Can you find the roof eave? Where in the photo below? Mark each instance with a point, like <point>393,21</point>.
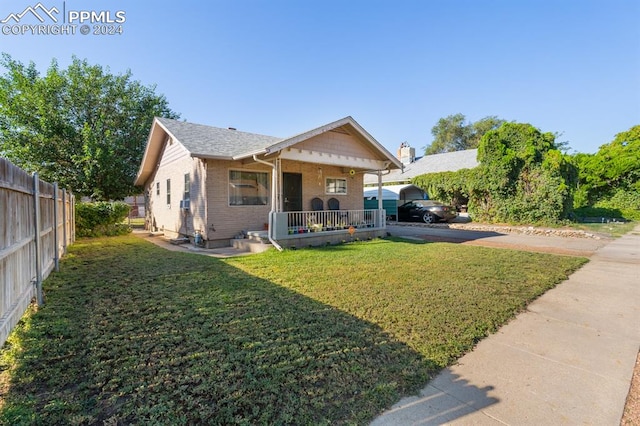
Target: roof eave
<point>211,157</point>
<point>144,171</point>
<point>250,154</point>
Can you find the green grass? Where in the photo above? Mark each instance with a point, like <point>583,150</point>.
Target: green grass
<point>134,334</point>
<point>614,229</point>
<point>134,222</point>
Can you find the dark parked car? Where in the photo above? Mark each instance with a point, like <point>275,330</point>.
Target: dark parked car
<point>426,210</point>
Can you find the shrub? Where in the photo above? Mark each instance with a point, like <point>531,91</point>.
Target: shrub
<point>449,187</point>
<point>524,178</point>
<point>627,202</point>
<point>101,219</point>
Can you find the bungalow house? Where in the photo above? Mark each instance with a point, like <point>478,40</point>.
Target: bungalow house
<point>213,184</point>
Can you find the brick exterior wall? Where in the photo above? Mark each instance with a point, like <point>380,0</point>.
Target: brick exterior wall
<point>225,221</point>
<point>313,184</point>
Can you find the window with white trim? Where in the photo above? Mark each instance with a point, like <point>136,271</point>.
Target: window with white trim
<point>248,188</point>
<point>168,192</point>
<point>336,186</point>
<point>157,188</point>
<point>187,187</point>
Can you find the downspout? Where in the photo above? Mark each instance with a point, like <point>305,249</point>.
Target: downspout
<point>274,182</point>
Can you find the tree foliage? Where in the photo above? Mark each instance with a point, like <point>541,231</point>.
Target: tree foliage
<point>454,133</point>
<point>453,188</point>
<point>82,127</point>
<point>615,167</point>
<point>610,178</point>
<point>522,178</point>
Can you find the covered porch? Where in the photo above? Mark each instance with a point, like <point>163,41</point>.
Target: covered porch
<point>317,185</point>
<point>301,216</point>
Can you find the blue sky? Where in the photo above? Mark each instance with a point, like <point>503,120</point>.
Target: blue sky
<point>280,67</point>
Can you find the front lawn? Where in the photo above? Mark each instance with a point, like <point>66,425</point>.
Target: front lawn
<point>134,334</point>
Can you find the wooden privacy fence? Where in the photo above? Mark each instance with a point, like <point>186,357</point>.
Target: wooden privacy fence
<point>37,223</point>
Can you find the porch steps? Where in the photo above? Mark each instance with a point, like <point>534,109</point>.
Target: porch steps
<point>252,244</point>
<point>262,236</point>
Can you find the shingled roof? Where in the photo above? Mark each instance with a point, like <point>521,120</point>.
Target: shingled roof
<point>202,141</point>
<point>215,142</point>
<point>447,162</point>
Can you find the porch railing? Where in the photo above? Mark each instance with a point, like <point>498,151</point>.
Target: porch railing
<point>293,224</point>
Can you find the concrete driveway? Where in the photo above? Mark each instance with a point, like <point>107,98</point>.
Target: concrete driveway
<point>501,237</point>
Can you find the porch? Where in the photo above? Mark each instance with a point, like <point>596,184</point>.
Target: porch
<point>306,228</point>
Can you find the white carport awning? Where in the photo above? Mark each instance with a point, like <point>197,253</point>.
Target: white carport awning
<point>396,192</point>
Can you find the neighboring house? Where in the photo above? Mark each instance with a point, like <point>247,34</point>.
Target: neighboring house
<point>136,202</point>
<point>219,183</point>
<point>447,162</point>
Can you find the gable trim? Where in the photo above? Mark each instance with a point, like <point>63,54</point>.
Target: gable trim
<point>287,143</point>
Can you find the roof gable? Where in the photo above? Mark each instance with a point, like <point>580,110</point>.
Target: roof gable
<point>347,125</point>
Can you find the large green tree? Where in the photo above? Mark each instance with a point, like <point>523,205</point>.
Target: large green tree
<point>616,166</point>
<point>82,127</point>
<point>454,133</point>
<point>610,178</point>
<point>523,177</point>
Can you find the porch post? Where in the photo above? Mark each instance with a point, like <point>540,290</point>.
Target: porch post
<point>382,222</point>
<point>278,171</point>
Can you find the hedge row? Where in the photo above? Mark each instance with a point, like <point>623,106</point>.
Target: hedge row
<point>101,219</point>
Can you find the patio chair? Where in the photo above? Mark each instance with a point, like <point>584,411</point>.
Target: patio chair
<point>317,204</point>
<point>333,204</point>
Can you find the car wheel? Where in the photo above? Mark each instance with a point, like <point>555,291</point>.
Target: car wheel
<point>428,218</point>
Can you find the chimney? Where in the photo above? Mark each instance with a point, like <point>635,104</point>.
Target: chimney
<point>406,154</point>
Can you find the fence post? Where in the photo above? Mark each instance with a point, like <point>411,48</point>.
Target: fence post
<point>64,221</point>
<point>36,222</point>
<point>56,240</point>
<point>72,213</point>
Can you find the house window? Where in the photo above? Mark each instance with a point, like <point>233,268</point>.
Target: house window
<point>248,188</point>
<point>187,186</point>
<point>168,192</point>
<point>336,186</point>
<point>158,188</point>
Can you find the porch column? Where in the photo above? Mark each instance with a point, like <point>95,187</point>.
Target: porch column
<point>382,222</point>
<point>278,171</point>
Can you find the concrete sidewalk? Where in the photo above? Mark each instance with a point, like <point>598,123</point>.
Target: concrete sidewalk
<point>567,360</point>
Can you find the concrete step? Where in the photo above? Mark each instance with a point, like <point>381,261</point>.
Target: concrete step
<point>250,245</point>
<point>262,236</point>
